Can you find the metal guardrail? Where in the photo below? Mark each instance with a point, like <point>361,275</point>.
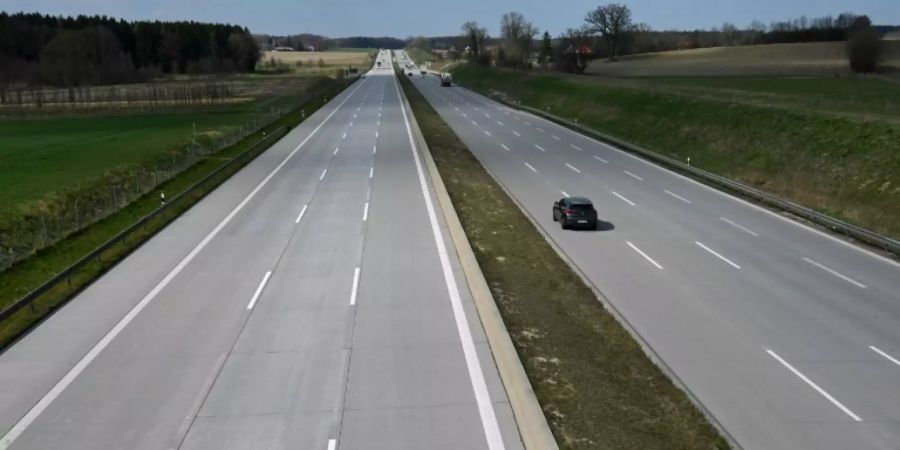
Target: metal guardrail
<point>65,276</point>
<point>856,232</point>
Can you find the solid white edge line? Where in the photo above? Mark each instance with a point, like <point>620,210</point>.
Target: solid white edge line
<point>259,289</point>
<point>676,196</point>
<point>716,254</point>
<point>300,216</point>
<point>648,258</point>
<point>888,357</point>
<point>739,226</point>
<point>79,367</point>
<point>504,147</point>
<point>814,386</point>
<point>366,212</point>
<point>836,273</point>
<point>479,386</point>
<point>530,167</point>
<point>355,289</point>
<point>573,168</point>
<point>633,175</point>
<point>623,198</point>
<point>322,177</point>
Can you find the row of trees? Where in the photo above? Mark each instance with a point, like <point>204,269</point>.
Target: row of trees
<point>319,43</point>
<point>94,50</point>
<point>608,32</point>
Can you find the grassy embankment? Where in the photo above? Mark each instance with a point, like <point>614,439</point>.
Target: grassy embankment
<point>596,386</point>
<point>842,165</point>
<point>83,150</point>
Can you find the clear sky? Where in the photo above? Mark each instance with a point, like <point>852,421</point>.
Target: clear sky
<point>402,18</point>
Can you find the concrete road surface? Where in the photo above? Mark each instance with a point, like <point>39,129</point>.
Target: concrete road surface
<point>310,302</point>
<point>791,338</point>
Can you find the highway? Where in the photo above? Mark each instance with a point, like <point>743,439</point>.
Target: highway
<point>313,301</point>
<point>788,336</point>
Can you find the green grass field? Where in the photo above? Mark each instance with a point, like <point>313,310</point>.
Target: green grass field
<point>42,156</point>
<point>816,58</point>
<point>842,166</point>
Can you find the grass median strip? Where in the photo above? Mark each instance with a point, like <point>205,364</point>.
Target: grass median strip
<point>594,382</point>
<point>30,273</point>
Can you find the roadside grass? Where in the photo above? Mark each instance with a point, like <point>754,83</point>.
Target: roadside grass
<point>841,166</point>
<point>813,58</point>
<point>596,386</point>
<point>330,58</point>
<point>30,273</point>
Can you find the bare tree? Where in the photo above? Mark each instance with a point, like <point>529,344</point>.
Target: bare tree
<point>518,35</point>
<point>475,36</point>
<point>611,21</point>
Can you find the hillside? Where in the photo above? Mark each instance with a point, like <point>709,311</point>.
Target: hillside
<point>818,58</point>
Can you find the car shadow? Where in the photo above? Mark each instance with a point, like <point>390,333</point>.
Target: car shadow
<point>601,226</point>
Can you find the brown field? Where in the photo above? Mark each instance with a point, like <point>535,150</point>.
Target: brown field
<point>332,59</point>
<point>818,58</point>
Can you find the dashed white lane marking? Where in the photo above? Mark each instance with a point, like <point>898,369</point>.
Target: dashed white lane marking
<point>464,115</point>
<point>633,175</point>
<point>814,386</point>
<point>487,133</point>
<point>885,355</point>
<point>601,159</point>
<point>564,194</point>
<point>374,149</point>
<point>376,135</point>
<point>355,289</point>
<point>623,198</point>
<point>344,136</point>
<point>475,123</point>
<point>517,133</point>
<point>332,444</point>
<point>531,167</point>
<point>717,255</point>
<point>335,151</point>
<point>504,147</point>
<point>366,212</point>
<point>541,130</point>
<point>300,216</point>
<point>539,148</point>
<point>836,273</point>
<point>573,168</point>
<point>322,177</point>
<point>104,342</point>
<point>371,172</point>
<point>259,289</point>
<point>556,137</point>
<point>677,196</point>
<point>739,227</point>
<point>576,147</point>
<point>500,123</point>
<point>528,123</point>
<point>487,115</point>
<point>647,257</point>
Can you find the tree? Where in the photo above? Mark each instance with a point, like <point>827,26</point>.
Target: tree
<point>574,51</point>
<point>611,21</point>
<point>518,38</point>
<point>475,36</point>
<point>244,51</point>
<point>546,48</point>
<point>864,46</point>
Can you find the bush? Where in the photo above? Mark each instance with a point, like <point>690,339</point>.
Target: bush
<point>863,50</point>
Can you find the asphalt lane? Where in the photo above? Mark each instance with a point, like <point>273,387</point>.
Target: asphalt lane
<point>303,304</point>
<point>788,336</point>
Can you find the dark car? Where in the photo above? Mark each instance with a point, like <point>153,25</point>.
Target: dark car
<point>575,212</point>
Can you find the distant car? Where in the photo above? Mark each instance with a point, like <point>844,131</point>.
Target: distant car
<point>424,72</point>
<point>409,74</point>
<point>446,79</point>
<point>575,212</point>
